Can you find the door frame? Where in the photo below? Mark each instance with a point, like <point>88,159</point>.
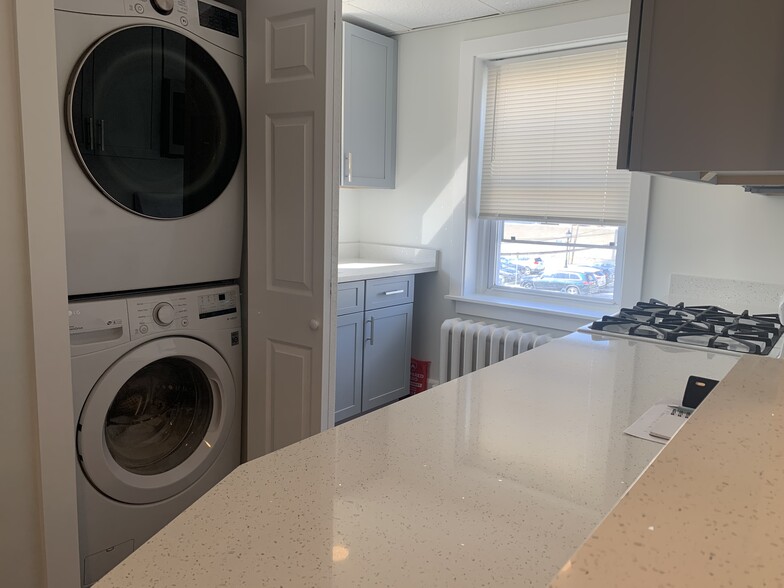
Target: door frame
<point>40,133</point>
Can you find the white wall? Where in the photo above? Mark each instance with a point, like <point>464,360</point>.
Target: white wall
<point>348,230</point>
<point>419,211</point>
<point>21,558</point>
<point>683,219</point>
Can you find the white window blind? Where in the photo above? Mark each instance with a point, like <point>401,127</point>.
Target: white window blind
<point>551,138</point>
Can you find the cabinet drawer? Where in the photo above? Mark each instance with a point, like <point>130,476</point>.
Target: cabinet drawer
<point>351,297</point>
<point>383,292</point>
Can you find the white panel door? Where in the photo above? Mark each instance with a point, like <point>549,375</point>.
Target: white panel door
<point>293,64</point>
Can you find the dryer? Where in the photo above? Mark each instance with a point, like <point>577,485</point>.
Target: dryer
<point>152,141</point>
<point>157,383</point>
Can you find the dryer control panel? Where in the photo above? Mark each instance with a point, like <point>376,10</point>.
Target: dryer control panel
<point>213,21</point>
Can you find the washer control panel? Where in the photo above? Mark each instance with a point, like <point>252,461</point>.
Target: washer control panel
<point>154,314</point>
<point>217,304</point>
<point>214,308</point>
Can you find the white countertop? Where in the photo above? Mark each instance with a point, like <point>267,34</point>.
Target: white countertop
<point>494,479</point>
<point>365,261</point>
<point>709,511</point>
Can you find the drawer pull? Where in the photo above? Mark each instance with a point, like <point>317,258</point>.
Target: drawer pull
<point>393,292</point>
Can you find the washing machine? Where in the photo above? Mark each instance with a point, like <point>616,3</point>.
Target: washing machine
<point>157,383</point>
<point>152,98</point>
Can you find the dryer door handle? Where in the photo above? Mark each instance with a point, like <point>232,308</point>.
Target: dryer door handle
<point>101,129</point>
<point>90,133</point>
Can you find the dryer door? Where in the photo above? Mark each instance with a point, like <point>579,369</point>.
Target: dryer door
<point>156,420</point>
<point>154,121</point>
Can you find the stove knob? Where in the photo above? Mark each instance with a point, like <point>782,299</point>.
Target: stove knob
<point>163,6</point>
<point>163,314</point>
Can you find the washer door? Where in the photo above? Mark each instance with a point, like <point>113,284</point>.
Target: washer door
<point>154,121</point>
<point>156,420</point>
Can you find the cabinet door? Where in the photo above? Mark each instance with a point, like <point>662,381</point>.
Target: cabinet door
<point>348,387</point>
<point>703,88</point>
<point>369,108</point>
<point>387,360</point>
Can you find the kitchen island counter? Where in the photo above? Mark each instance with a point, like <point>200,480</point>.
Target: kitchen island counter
<point>494,479</point>
<point>709,511</point>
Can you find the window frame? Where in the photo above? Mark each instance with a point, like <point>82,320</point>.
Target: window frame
<point>471,292</point>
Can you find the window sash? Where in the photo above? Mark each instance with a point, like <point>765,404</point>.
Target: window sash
<point>551,130</point>
<point>492,237</point>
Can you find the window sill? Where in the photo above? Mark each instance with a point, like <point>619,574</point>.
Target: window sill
<point>547,314</point>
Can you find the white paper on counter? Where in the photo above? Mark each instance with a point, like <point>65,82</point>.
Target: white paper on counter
<point>642,426</point>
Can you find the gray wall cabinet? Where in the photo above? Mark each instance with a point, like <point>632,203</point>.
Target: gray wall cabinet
<point>369,108</point>
<point>702,91</point>
<point>374,345</point>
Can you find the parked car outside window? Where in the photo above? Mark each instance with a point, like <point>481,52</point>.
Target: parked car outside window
<point>512,270</point>
<point>566,281</point>
<point>598,273</point>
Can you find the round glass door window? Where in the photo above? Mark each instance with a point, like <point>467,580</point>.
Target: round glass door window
<point>155,122</point>
<point>159,417</point>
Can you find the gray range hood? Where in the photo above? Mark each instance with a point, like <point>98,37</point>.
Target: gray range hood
<point>704,92</point>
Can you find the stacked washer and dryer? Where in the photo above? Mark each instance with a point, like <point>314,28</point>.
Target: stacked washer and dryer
<point>154,184</point>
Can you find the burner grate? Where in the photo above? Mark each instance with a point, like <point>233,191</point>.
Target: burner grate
<point>703,326</point>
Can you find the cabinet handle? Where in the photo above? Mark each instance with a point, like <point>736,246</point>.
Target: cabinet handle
<point>393,292</point>
<point>372,322</point>
<point>350,166</point>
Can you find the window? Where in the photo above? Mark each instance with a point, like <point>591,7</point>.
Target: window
<point>553,210</point>
<point>556,258</point>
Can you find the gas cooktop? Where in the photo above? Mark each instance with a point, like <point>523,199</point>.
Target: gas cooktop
<point>702,326</point>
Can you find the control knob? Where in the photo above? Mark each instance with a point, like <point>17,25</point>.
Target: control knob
<point>163,6</point>
<point>163,314</point>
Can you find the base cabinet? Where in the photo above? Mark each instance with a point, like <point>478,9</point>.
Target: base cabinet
<point>348,387</point>
<point>387,355</point>
<point>373,346</point>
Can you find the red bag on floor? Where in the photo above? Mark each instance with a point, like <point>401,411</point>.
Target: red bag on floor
<point>419,370</point>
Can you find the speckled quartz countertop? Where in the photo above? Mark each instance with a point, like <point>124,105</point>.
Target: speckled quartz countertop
<point>710,510</point>
<point>494,479</point>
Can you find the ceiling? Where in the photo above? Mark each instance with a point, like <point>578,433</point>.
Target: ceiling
<point>402,16</point>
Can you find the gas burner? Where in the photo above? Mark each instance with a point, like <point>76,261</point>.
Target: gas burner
<point>703,326</point>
